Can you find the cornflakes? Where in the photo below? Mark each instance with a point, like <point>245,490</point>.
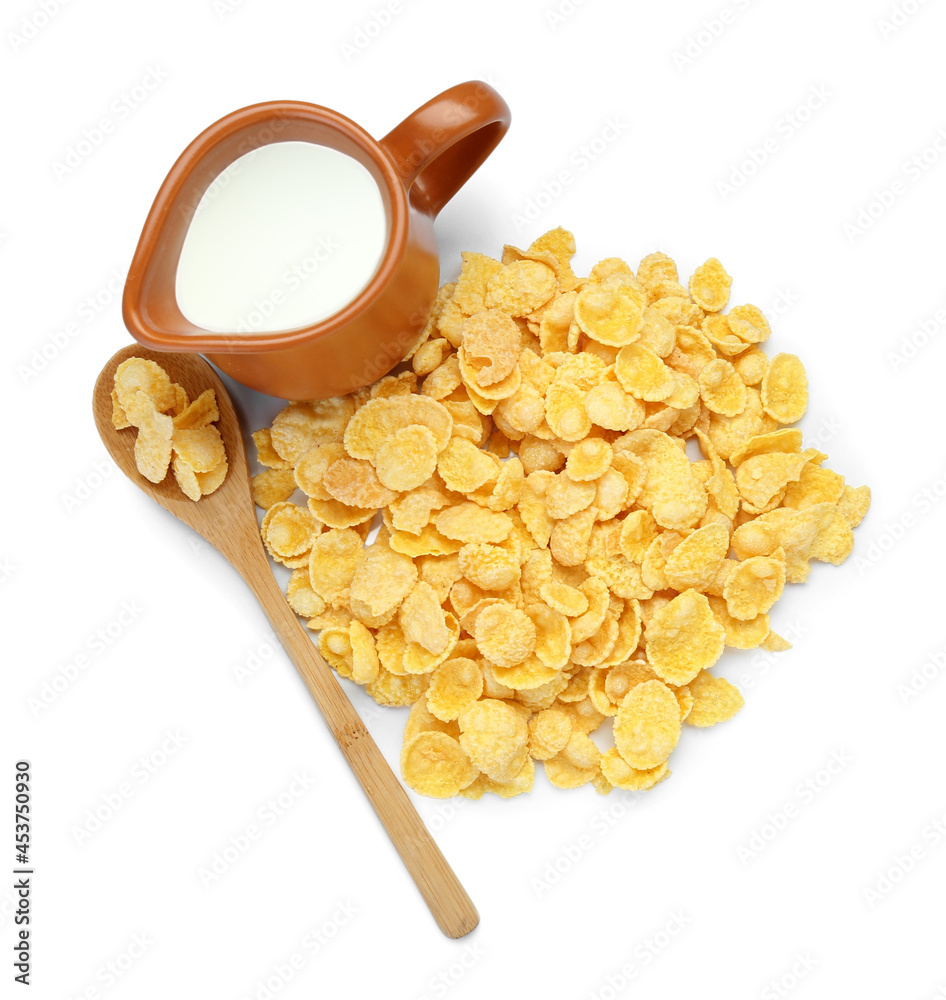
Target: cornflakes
<point>504,634</point>
<point>495,738</point>
<point>173,434</point>
<point>408,459</point>
<point>683,638</point>
<point>714,700</point>
<point>709,286</point>
<point>455,684</point>
<point>647,725</point>
<point>434,764</point>
<point>551,549</point>
<point>785,389</point>
<point>609,312</point>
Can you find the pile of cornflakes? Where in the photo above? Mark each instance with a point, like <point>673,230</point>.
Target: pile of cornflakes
<point>173,432</point>
<point>550,553</point>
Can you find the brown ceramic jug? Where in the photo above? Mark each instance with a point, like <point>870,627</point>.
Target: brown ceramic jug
<point>418,167</point>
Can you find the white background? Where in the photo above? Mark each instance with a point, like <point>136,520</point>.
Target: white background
<point>77,546</point>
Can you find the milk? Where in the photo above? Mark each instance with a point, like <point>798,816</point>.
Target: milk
<point>286,236</point>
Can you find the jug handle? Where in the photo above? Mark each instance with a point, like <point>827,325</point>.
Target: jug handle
<point>438,147</point>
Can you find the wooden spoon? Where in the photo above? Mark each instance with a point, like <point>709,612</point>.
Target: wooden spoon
<point>227,519</point>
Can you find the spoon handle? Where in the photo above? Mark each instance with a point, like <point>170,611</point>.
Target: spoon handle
<point>445,896</point>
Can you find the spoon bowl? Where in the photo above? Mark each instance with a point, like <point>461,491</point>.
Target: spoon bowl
<point>233,498</point>
<point>227,519</point>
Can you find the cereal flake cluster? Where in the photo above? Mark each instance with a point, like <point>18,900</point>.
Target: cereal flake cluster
<point>550,553</point>
<point>173,432</point>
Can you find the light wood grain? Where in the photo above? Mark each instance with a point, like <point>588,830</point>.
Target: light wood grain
<point>227,520</point>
